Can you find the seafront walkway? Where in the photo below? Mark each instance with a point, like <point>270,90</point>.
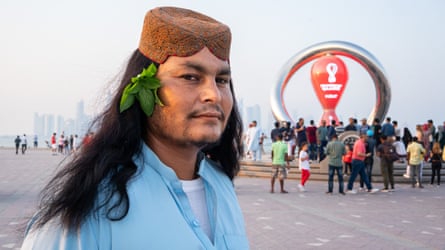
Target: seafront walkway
<point>409,218</point>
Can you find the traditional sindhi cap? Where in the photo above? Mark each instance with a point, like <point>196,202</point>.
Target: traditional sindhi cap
<point>172,31</point>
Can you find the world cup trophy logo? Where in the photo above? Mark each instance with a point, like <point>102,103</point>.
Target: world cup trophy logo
<point>329,77</point>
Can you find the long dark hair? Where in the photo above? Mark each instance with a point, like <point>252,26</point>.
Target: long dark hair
<point>105,163</point>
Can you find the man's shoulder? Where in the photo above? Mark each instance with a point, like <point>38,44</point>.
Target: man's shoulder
<point>275,131</point>
<point>358,142</point>
<point>311,127</point>
<point>384,146</point>
<point>276,143</point>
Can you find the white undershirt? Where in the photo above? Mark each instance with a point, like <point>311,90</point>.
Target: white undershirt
<point>194,190</point>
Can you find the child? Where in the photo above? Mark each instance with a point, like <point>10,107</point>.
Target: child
<point>303,163</point>
<point>347,159</point>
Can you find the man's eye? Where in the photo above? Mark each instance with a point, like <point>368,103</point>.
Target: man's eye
<point>222,80</point>
<point>190,77</point>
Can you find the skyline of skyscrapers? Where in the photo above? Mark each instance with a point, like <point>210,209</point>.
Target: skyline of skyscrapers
<point>46,124</point>
<point>264,119</point>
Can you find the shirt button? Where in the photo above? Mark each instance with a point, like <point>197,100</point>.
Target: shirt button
<point>195,223</point>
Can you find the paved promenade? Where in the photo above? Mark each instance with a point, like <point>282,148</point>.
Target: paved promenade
<point>406,219</point>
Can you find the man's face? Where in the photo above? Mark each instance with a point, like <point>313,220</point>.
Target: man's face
<point>197,100</point>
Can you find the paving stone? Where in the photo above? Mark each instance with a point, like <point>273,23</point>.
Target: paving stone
<point>409,218</point>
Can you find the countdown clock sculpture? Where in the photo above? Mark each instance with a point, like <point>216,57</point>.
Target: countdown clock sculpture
<point>329,78</point>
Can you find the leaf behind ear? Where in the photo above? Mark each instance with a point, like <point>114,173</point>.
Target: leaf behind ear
<point>126,102</point>
<point>134,89</point>
<point>146,100</point>
<point>151,70</point>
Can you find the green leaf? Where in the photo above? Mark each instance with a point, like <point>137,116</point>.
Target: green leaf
<point>134,89</point>
<point>123,102</point>
<point>146,100</point>
<point>126,102</point>
<point>144,88</point>
<point>152,83</point>
<point>151,70</point>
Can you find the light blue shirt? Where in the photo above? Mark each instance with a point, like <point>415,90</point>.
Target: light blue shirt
<point>159,217</point>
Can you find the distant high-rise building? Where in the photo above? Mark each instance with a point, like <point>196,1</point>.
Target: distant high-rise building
<point>60,124</point>
<point>45,125</point>
<point>39,124</point>
<point>253,113</point>
<point>70,127</point>
<point>50,125</point>
<point>240,103</point>
<point>82,120</point>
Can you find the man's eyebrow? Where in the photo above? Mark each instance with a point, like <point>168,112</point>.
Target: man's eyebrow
<point>202,69</point>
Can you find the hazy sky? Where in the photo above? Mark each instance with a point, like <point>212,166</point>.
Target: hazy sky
<point>54,53</point>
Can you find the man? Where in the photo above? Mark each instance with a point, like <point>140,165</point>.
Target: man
<point>377,130</point>
<point>351,125</point>
<point>414,154</point>
<point>322,140</point>
<point>157,174</point>
<point>339,128</point>
<point>431,133</point>
<point>253,136</point>
<point>275,132</point>
<point>335,151</point>
<point>385,151</point>
<point>388,129</point>
<point>300,131</point>
<point>397,132</point>
<point>331,130</point>
<point>369,160</point>
<point>289,139</point>
<point>36,141</point>
<point>364,127</point>
<point>24,144</point>
<point>311,132</point>
<point>358,165</point>
<point>279,157</point>
<point>17,144</point>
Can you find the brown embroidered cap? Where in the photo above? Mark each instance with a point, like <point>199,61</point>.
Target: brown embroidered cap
<point>172,31</point>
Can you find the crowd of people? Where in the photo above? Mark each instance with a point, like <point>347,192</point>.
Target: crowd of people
<point>62,145</point>
<point>311,143</point>
<point>66,145</point>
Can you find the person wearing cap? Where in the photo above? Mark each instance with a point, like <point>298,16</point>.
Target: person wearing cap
<point>369,160</point>
<point>358,165</point>
<point>158,173</point>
